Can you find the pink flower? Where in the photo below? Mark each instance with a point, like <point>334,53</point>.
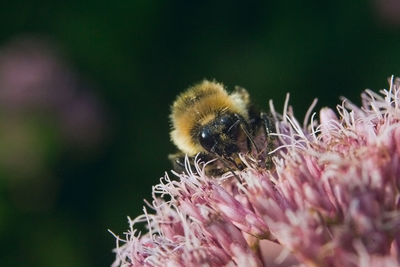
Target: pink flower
<point>34,78</point>
<point>331,199</point>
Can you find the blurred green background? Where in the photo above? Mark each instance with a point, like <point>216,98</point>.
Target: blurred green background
<point>85,90</point>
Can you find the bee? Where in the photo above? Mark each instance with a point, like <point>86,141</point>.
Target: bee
<point>214,124</point>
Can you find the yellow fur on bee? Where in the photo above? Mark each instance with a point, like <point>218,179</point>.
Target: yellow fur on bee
<point>199,105</point>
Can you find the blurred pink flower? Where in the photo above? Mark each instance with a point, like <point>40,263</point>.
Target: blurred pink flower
<point>332,198</point>
<point>33,75</point>
<point>35,80</point>
<point>45,111</point>
<point>387,11</point>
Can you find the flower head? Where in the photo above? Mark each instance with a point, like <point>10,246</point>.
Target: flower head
<point>331,198</point>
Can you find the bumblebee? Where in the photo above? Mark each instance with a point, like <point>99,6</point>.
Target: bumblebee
<point>209,121</point>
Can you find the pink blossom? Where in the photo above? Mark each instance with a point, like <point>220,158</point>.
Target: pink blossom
<point>331,198</point>
<point>35,78</point>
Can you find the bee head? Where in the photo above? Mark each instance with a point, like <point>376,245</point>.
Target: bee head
<point>220,135</point>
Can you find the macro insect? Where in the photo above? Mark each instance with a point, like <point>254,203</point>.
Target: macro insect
<point>210,122</point>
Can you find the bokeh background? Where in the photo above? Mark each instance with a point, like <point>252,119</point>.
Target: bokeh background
<point>85,90</point>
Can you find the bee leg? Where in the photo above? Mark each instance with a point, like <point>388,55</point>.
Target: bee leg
<point>226,165</point>
<point>267,121</point>
<point>178,162</point>
<point>268,129</point>
<point>224,162</point>
<point>245,127</point>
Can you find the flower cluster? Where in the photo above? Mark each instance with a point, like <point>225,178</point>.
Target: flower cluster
<point>330,199</point>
